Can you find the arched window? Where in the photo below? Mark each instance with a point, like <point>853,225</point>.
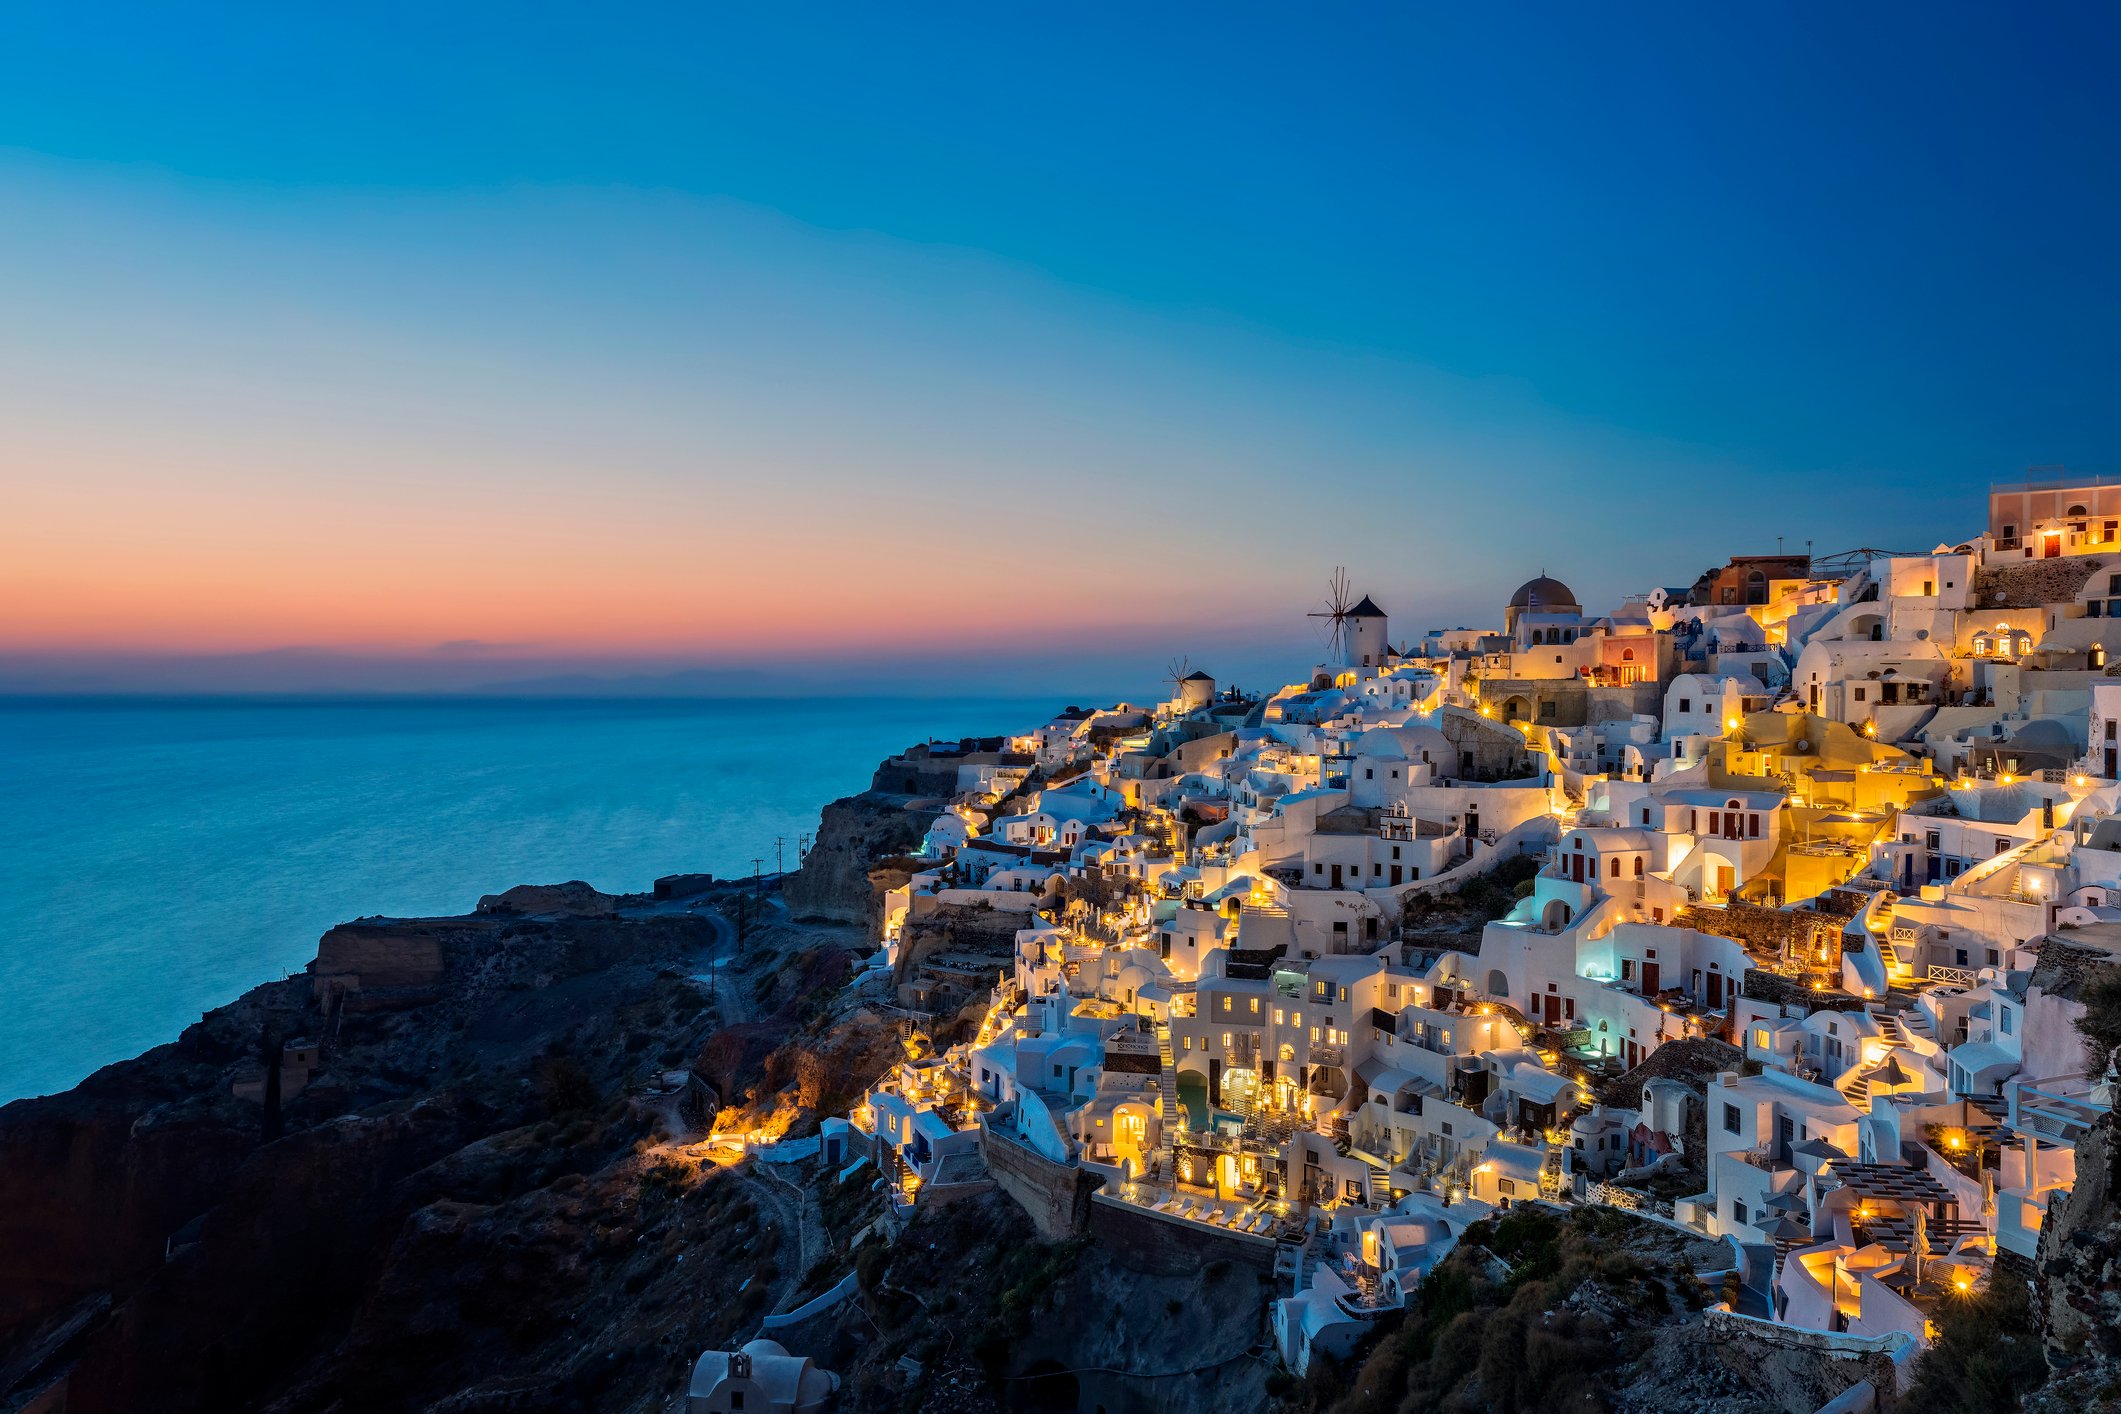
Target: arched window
<point>2076,510</point>
<point>1638,866</point>
<point>1627,655</point>
<point>1981,644</point>
<point>2025,643</point>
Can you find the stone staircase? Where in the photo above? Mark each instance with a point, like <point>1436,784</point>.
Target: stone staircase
<point>1167,1077</point>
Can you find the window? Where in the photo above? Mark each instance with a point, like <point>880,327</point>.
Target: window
<point>1226,1006</point>
<point>1731,1122</point>
<point>1859,694</point>
<point>1255,1006</point>
<point>1737,1211</point>
<point>1760,1038</point>
<point>2003,1019</point>
<point>1686,704</point>
<point>1229,1042</point>
<point>1505,1186</point>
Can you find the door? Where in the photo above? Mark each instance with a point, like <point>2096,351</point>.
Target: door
<point>2050,546</point>
<point>1649,979</point>
<point>1395,873</point>
<point>2110,762</point>
<point>1473,822</point>
<point>1715,992</point>
<point>1553,1010</point>
<point>1336,876</point>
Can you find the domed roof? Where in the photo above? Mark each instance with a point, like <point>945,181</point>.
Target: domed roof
<point>1380,743</point>
<point>1542,594</point>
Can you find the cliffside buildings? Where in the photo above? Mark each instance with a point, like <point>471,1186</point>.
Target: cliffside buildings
<point>1810,863</point>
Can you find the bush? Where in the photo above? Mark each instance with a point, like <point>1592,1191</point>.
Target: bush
<point>1986,1355</point>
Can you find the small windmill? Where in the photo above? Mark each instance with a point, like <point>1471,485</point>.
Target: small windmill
<point>1339,600</point>
<point>1176,675</point>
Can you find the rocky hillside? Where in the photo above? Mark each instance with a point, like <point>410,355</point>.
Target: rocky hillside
<point>457,1196</point>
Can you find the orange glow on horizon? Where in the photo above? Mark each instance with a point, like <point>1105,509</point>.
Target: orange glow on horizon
<point>186,570</point>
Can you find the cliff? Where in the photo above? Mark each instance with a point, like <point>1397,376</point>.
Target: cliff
<point>839,880</point>
<point>2077,1286</point>
<point>455,1168</point>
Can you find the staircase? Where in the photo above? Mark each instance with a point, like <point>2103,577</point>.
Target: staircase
<point>1167,1077</point>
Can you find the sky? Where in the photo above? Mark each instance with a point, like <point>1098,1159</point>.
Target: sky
<point>953,347</point>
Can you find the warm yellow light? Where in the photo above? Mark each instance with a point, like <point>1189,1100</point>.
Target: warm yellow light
<point>1963,1283</point>
<point>1870,729</point>
<point>1730,724</point>
<point>2083,781</point>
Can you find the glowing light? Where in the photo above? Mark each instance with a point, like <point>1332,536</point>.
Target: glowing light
<point>1730,724</point>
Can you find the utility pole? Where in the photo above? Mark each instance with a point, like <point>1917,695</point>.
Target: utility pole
<point>757,887</point>
<point>780,865</point>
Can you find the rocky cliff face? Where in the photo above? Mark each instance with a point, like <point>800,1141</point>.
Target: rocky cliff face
<point>2077,1286</point>
<point>169,1246</point>
<point>838,882</point>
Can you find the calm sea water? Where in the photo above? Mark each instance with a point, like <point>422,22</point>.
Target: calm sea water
<point>159,858</point>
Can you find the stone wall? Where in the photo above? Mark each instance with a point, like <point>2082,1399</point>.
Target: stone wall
<point>2033,584</point>
<point>1166,1246</point>
<point>1056,1197</point>
<point>1805,1369</point>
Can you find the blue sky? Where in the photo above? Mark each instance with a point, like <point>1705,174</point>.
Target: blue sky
<point>1085,334</point>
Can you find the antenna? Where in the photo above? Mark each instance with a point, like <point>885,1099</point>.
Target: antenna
<point>1338,602</point>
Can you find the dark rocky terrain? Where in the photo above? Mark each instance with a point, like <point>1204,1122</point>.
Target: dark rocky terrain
<point>468,1203</point>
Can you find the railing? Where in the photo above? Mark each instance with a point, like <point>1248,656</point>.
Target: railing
<point>1953,976</point>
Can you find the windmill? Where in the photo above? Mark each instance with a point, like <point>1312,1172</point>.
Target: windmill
<point>1339,600</point>
<point>1176,675</point>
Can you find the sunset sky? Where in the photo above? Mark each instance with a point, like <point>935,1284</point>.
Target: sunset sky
<point>427,347</point>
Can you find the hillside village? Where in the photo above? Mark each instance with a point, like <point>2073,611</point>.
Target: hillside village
<point>1804,869</point>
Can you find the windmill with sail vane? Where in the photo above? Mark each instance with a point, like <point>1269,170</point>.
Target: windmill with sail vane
<point>1356,642</point>
<point>1191,689</point>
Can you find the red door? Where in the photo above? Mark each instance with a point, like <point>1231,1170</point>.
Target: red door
<point>1649,979</point>
<point>2050,546</point>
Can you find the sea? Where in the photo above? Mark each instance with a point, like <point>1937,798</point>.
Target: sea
<point>160,857</point>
